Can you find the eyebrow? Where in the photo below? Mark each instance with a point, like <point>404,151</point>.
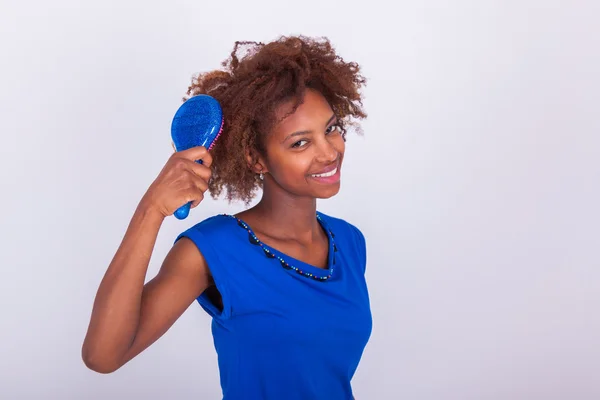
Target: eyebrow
<point>333,117</point>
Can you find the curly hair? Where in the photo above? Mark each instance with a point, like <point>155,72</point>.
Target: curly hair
<point>256,79</point>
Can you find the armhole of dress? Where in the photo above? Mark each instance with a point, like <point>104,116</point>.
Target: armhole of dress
<point>218,272</point>
<point>362,247</point>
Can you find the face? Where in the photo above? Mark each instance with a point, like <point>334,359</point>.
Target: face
<point>305,150</point>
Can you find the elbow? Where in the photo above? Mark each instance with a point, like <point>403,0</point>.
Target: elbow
<point>98,363</point>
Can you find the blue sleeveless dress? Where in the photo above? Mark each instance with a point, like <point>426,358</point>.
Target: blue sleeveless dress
<point>287,330</point>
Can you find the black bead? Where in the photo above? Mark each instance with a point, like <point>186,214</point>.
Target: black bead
<point>252,239</point>
<point>268,253</point>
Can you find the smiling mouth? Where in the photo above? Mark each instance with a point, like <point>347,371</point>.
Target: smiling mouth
<point>326,174</point>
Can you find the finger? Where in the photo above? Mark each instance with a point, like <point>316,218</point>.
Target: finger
<point>200,170</point>
<point>207,159</point>
<point>195,182</point>
<point>198,200</point>
<point>200,183</point>
<point>194,153</point>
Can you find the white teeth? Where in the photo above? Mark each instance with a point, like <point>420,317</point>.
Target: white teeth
<point>326,174</point>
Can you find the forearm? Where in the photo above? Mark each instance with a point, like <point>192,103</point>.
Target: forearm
<point>116,310</point>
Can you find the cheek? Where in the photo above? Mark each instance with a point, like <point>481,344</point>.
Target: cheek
<point>288,167</point>
<point>338,143</point>
<point>297,165</point>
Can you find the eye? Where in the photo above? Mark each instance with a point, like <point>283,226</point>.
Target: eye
<point>332,128</point>
<point>299,143</point>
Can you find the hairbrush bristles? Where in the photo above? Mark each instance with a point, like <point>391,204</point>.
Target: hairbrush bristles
<point>218,134</point>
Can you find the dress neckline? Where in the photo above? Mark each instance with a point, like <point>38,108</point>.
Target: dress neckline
<point>290,263</point>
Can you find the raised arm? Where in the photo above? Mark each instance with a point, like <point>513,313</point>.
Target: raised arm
<point>128,315</point>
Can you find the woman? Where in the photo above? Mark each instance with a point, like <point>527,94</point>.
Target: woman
<point>284,283</point>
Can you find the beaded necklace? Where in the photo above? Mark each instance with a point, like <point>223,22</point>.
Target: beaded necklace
<point>256,241</point>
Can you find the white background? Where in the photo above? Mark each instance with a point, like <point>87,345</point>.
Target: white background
<point>476,185</point>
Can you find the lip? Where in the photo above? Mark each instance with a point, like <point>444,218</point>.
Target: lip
<point>328,180</point>
<point>328,169</point>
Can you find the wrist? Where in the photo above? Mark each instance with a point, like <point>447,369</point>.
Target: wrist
<point>149,211</point>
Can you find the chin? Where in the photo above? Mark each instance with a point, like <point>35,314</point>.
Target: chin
<point>330,192</point>
<point>314,190</point>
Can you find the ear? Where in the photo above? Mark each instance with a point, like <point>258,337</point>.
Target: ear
<point>255,162</point>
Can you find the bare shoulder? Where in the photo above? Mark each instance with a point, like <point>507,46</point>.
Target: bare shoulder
<point>185,258</point>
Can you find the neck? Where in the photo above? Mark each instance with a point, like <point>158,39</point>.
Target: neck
<point>286,214</point>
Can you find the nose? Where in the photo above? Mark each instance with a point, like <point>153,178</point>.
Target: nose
<point>327,152</point>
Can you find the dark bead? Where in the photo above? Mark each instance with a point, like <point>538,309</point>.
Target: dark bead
<point>252,239</point>
<point>268,253</point>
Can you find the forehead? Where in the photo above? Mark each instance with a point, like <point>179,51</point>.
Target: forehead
<point>315,111</point>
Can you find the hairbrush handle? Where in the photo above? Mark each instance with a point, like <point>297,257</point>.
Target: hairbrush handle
<point>197,122</point>
<point>183,211</point>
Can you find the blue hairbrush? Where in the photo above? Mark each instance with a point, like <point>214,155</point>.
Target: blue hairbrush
<point>197,122</point>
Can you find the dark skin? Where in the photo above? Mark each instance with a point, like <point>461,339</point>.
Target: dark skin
<point>285,216</point>
<point>128,315</point>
